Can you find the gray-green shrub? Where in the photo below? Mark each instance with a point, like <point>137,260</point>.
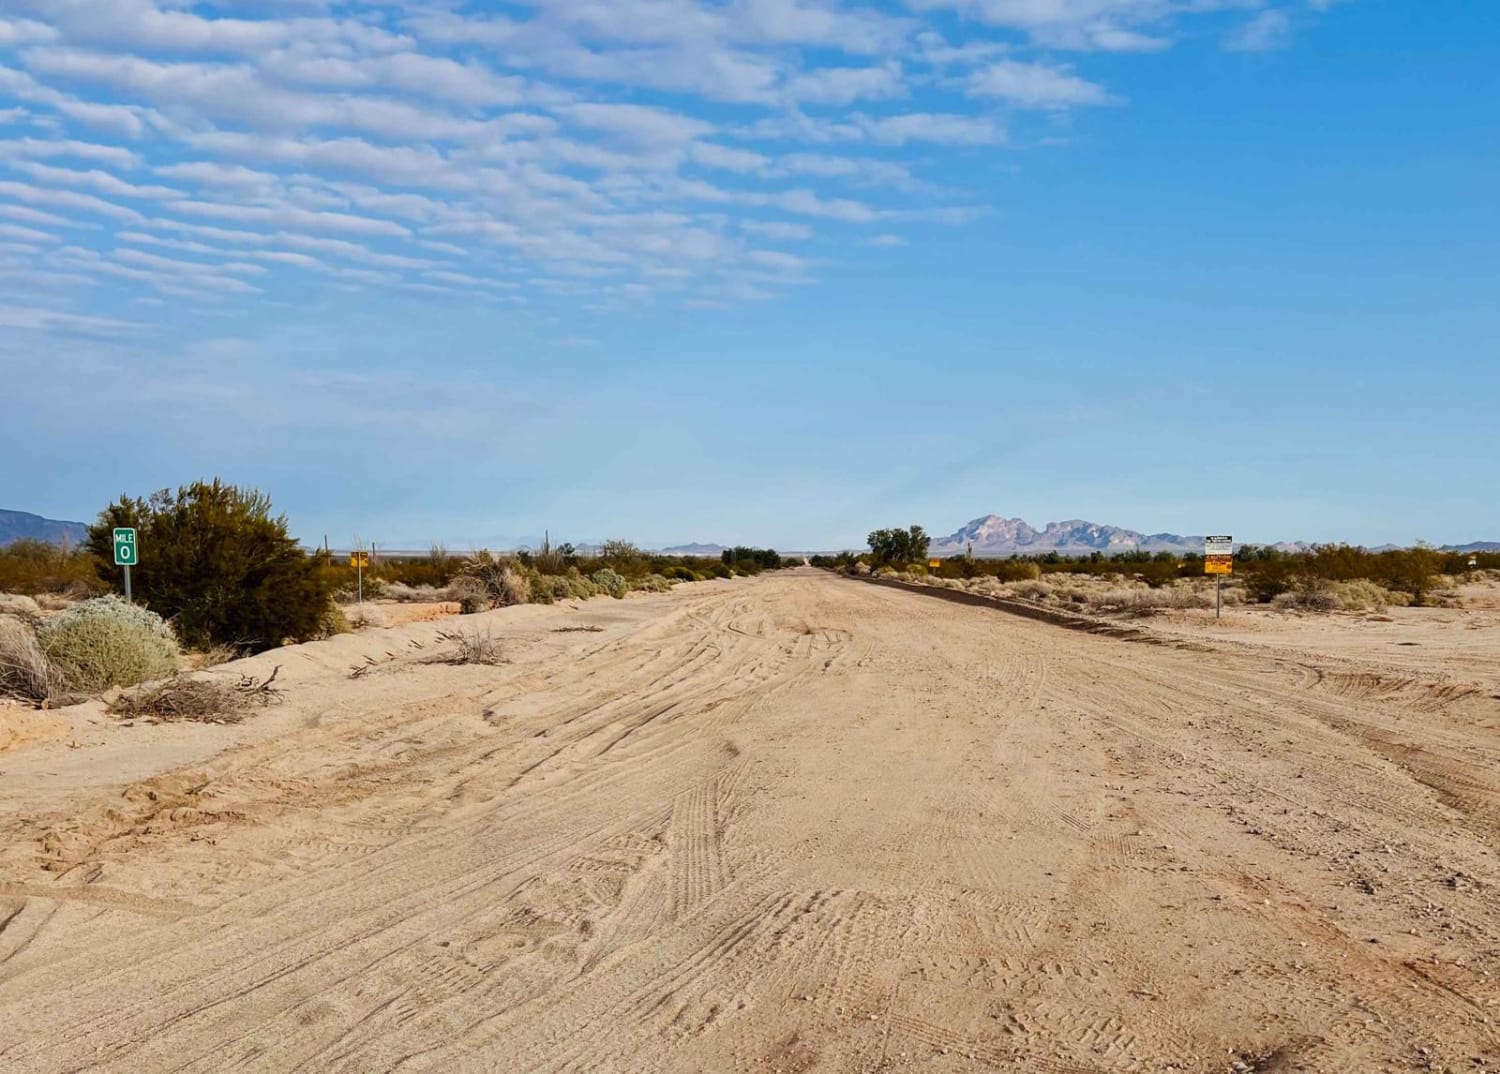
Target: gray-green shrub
<point>610,582</point>
<point>106,642</point>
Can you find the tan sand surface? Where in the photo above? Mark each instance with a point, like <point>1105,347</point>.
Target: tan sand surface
<point>799,823</point>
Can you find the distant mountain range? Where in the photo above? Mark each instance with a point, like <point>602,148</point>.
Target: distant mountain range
<point>693,550</point>
<point>993,535</point>
<point>21,525</point>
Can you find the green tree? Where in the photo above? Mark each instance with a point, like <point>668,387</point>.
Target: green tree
<point>889,547</point>
<point>218,564</point>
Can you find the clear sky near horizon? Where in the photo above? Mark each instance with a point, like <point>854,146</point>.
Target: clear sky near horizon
<point>761,271</point>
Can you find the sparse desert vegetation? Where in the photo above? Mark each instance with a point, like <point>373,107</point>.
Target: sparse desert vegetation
<point>222,576</point>
<point>1326,578</point>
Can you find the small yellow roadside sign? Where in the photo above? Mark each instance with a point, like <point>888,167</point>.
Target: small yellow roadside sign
<point>934,563</point>
<point>1218,564</point>
<point>359,559</point>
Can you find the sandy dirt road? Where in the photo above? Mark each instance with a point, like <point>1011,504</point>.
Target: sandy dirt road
<point>794,824</point>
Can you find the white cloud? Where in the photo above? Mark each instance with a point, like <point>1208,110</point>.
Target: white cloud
<point>842,85</point>
<point>610,152</point>
<point>777,229</point>
<point>1035,85</point>
<point>638,123</point>
<point>37,319</point>
<point>93,179</point>
<point>1267,30</point>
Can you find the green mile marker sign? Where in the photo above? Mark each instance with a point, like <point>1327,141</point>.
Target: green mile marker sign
<point>125,553</point>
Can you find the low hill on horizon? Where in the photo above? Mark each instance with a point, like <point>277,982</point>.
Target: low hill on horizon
<point>995,535</point>
<point>23,525</point>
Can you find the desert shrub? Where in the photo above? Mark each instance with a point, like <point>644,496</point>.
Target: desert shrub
<point>515,588</point>
<point>106,642</point>
<point>610,582</point>
<point>679,573</point>
<point>24,670</point>
<point>652,583</point>
<point>571,585</point>
<point>860,568</point>
<point>499,582</point>
<point>470,647</point>
<point>623,558</point>
<point>1411,570</point>
<point>1310,596</point>
<point>1031,590</point>
<point>355,591</point>
<point>33,567</point>
<point>470,593</point>
<point>217,563</point>
<point>16,606</point>
<point>412,594</point>
<point>333,621</point>
<point>1360,595</point>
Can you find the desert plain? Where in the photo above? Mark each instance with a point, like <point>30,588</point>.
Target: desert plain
<point>792,823</point>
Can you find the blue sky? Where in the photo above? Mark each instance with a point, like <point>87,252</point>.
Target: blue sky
<point>769,271</point>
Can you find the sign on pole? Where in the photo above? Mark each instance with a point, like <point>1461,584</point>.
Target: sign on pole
<point>1218,559</point>
<point>934,563</point>
<point>360,560</point>
<point>127,553</point>
<point>1218,555</point>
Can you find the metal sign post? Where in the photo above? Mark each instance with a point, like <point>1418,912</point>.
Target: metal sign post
<point>1218,560</point>
<point>359,561</point>
<point>127,553</point>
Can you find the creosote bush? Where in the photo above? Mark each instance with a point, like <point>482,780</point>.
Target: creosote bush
<point>106,642</point>
<point>219,564</point>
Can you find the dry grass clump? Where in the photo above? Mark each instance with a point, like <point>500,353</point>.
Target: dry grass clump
<point>1359,595</point>
<point>1031,590</point>
<point>470,647</point>
<point>183,697</point>
<point>16,606</point>
<point>25,674</point>
<point>106,642</point>
<point>414,594</point>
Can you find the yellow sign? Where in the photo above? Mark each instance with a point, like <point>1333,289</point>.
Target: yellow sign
<point>359,559</point>
<point>934,563</point>
<point>1218,564</point>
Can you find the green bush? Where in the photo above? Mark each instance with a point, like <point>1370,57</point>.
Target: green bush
<point>30,566</point>
<point>215,561</point>
<point>652,583</point>
<point>106,642</point>
<point>545,588</point>
<point>679,573</point>
<point>610,582</point>
<point>720,570</point>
